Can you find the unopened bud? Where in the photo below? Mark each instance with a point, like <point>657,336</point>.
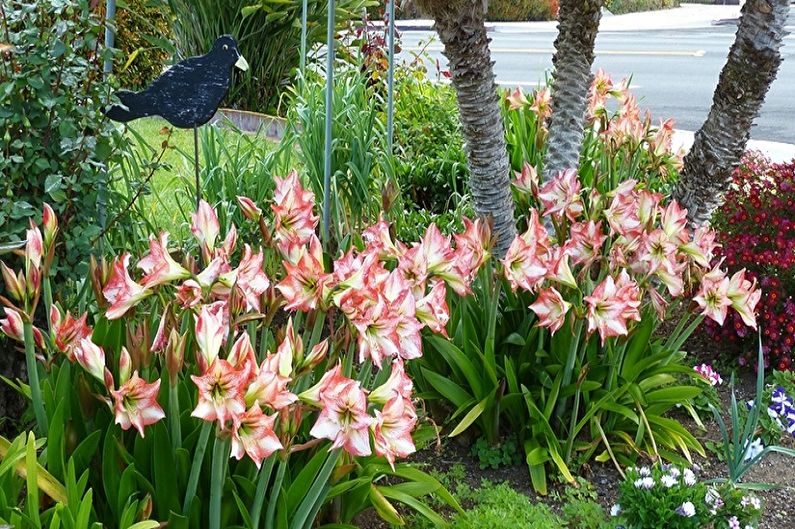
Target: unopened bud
<point>49,224</point>
<point>14,285</point>
<point>316,355</point>
<point>125,366</point>
<point>175,355</point>
<point>34,248</point>
<point>249,208</point>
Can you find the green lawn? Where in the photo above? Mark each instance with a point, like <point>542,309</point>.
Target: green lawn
<point>231,154</point>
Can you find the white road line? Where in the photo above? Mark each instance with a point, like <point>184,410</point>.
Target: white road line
<point>549,51</point>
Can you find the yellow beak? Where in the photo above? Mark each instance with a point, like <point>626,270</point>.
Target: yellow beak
<point>241,63</point>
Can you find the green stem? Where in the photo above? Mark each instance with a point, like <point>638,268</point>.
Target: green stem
<point>173,416</point>
<point>33,379</point>
<point>568,370</point>
<point>259,495</point>
<point>275,491</point>
<point>217,475</point>
<point>47,300</point>
<point>195,469</point>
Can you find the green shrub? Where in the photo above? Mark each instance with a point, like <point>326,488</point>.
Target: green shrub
<point>268,36</point>
<point>55,141</point>
<point>430,165</point>
<point>142,30</point>
<point>619,7</point>
<point>522,10</point>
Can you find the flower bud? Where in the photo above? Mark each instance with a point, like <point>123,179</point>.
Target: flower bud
<point>125,366</point>
<point>249,208</point>
<point>11,326</point>
<point>91,357</point>
<point>99,273</point>
<point>34,248</point>
<point>14,285</point>
<point>175,355</point>
<point>316,355</point>
<point>50,225</point>
<point>33,283</point>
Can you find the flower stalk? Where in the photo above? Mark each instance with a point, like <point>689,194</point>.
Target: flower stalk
<point>33,378</point>
<point>217,475</point>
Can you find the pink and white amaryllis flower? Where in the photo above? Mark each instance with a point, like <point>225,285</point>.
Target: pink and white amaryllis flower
<point>377,327</point>
<point>711,376</point>
<point>392,429</point>
<point>551,309</point>
<point>585,242</point>
<point>622,215</point>
<point>526,180</point>
<point>432,309</point>
<point>252,434</point>
<point>472,247</point>
<point>135,403</point>
<point>611,305</point>
<point>524,263</point>
<point>702,248</point>
<point>542,104</point>
<point>270,381</point>
<point>398,383</point>
<point>206,229</point>
<point>248,278</point>
<point>377,239</point>
<point>121,291</point>
<point>713,295</point>
<point>561,195</point>
<point>221,392</point>
<point>558,268</point>
<point>67,331</point>
<point>441,260</point>
<point>159,266</point>
<point>397,293</point>
<point>91,357</point>
<point>307,284</point>
<point>293,209</point>
<point>674,222</point>
<point>211,331</point>
<point>516,99</point>
<point>343,418</point>
<point>744,297</point>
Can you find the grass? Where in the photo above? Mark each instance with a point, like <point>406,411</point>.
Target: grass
<point>170,195</point>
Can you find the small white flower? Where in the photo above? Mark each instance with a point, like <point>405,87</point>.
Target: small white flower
<point>689,477</point>
<point>734,523</point>
<point>668,480</point>
<point>687,509</point>
<point>615,510</point>
<point>674,471</point>
<point>753,450</point>
<point>644,471</point>
<point>644,483</point>
<point>753,501</point>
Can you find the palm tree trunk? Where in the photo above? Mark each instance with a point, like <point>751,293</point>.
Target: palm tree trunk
<point>752,66</point>
<point>461,28</point>
<point>574,54</point>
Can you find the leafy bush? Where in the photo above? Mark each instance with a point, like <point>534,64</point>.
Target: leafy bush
<point>430,162</point>
<point>359,170</point>
<point>619,7</point>
<point>756,227</point>
<point>505,454</point>
<point>522,10</point>
<point>267,34</point>
<point>143,30</point>
<point>56,142</point>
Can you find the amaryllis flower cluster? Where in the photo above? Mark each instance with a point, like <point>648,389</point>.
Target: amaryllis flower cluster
<point>756,227</point>
<point>383,297</point>
<point>607,257</point>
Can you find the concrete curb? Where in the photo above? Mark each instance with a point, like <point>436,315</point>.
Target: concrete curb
<point>776,151</point>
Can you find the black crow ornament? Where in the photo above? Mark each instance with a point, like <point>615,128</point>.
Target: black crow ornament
<point>187,94</point>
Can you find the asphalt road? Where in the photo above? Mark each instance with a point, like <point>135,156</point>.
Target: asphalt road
<point>674,72</point>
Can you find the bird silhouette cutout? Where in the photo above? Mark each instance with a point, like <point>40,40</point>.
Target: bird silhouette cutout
<point>187,94</point>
